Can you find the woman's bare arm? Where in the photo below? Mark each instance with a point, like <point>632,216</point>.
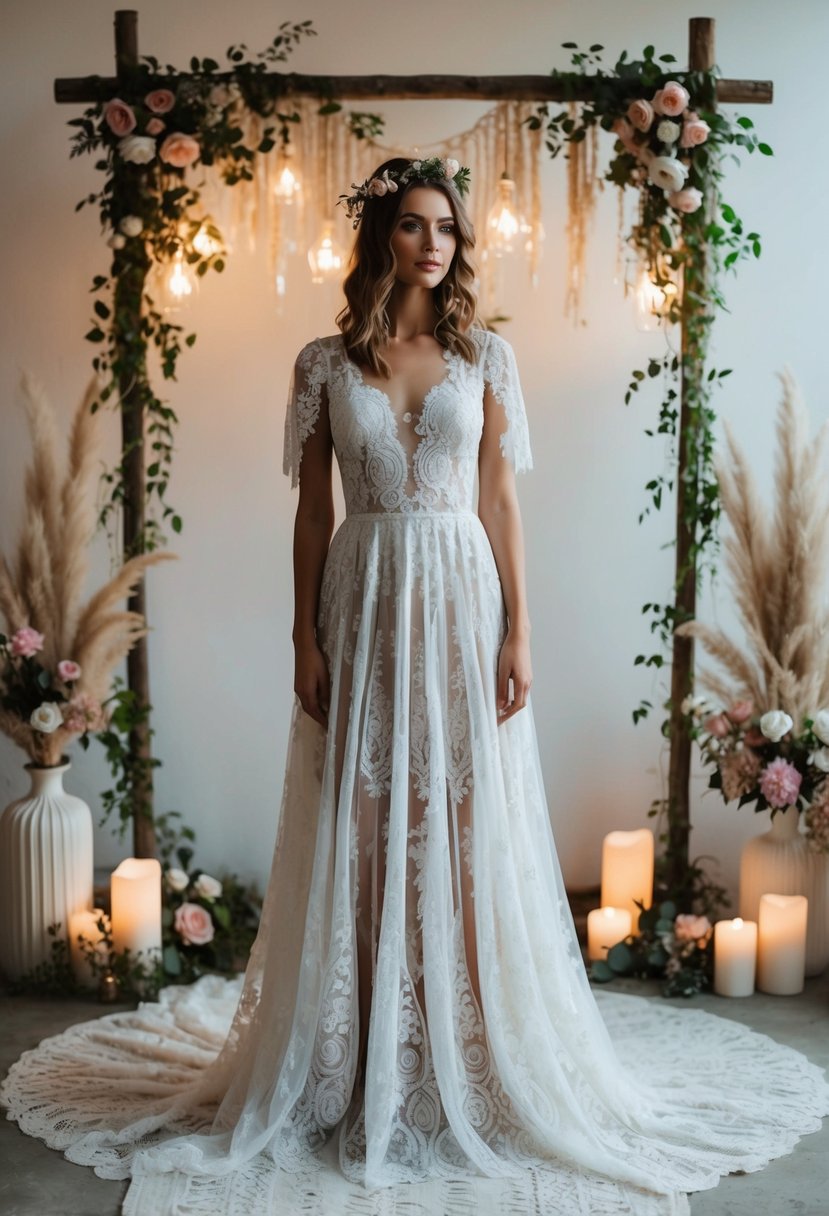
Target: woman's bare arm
<point>500,515</point>
<point>313,527</point>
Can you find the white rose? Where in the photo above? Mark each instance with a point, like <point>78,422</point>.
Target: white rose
<point>668,132</point>
<point>177,880</point>
<point>450,167</point>
<point>207,887</point>
<point>774,724</point>
<point>116,241</point>
<point>820,759</point>
<point>137,149</point>
<point>821,725</point>
<point>667,172</point>
<point>131,225</point>
<point>47,717</point>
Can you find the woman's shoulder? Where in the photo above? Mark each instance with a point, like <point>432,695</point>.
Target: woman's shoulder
<point>317,350</point>
<point>489,343</point>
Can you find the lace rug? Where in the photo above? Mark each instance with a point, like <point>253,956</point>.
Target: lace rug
<point>114,1070</point>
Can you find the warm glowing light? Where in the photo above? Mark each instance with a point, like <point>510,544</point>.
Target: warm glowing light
<point>653,301</point>
<point>288,188</point>
<point>205,244</point>
<point>504,223</point>
<point>178,283</point>
<point>325,257</point>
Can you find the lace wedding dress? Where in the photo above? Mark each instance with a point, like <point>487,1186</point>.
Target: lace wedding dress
<point>415,1031</point>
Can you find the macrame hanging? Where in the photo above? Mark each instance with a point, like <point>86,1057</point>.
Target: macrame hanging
<point>583,184</point>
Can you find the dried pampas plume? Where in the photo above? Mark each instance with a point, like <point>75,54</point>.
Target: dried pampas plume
<point>778,570</point>
<point>43,587</point>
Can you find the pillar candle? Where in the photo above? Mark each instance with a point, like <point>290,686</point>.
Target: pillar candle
<point>735,956</point>
<point>781,949</point>
<point>85,923</point>
<point>627,871</point>
<point>136,907</point>
<point>606,927</point>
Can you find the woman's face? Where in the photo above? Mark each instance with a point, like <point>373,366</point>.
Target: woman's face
<point>423,238</point>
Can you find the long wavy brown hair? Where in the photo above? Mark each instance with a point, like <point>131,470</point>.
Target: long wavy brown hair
<point>364,321</point>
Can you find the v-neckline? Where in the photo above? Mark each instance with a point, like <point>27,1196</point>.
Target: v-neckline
<point>447,356</point>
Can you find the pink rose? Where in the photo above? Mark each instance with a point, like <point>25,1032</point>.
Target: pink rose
<point>690,928</point>
<point>26,642</point>
<point>155,126</point>
<point>780,783</point>
<point>194,924</point>
<point>82,713</point>
<point>717,725</point>
<point>623,131</point>
<point>160,101</point>
<point>741,711</point>
<point>67,670</point>
<point>119,117</point>
<point>687,200</point>
<point>641,114</point>
<point>695,131</point>
<point>671,100</point>
<point>179,149</point>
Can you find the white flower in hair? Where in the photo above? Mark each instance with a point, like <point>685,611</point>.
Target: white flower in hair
<point>450,166</point>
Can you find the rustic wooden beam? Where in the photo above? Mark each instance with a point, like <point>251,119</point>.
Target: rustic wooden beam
<point>74,90</point>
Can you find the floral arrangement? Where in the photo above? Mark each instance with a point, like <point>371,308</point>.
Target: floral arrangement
<point>676,946</point>
<point>770,746</point>
<point>434,168</point>
<point>57,659</point>
<point>202,922</point>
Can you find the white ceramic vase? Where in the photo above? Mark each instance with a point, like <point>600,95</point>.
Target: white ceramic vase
<point>780,862</point>
<point>45,867</point>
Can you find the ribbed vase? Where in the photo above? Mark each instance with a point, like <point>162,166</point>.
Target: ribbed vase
<point>780,862</point>
<point>45,867</point>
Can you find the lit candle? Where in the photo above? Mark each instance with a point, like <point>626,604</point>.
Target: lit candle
<point>735,956</point>
<point>606,927</point>
<point>781,953</point>
<point>627,871</point>
<point>136,907</point>
<point>85,924</point>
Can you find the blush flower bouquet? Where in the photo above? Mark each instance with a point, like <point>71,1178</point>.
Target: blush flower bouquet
<point>207,924</point>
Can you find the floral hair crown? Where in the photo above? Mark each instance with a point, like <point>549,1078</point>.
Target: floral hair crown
<point>435,168</point>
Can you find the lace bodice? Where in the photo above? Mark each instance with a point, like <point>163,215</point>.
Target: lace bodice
<point>422,461</point>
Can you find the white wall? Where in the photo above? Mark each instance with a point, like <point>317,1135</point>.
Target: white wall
<point>221,658</point>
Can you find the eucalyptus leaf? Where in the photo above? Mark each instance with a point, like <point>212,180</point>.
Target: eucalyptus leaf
<point>600,972</point>
<point>620,958</point>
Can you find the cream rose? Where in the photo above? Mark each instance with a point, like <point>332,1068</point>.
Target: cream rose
<point>821,725</point>
<point>687,200</point>
<point>667,172</point>
<point>155,126</point>
<point>117,241</point>
<point>450,166</point>
<point>131,225</point>
<point>224,94</point>
<point>179,149</point>
<point>640,113</point>
<point>47,717</point>
<point>690,928</point>
<point>137,149</point>
<point>671,99</point>
<point>820,759</point>
<point>176,880</point>
<point>775,724</point>
<point>194,924</point>
<point>207,887</point>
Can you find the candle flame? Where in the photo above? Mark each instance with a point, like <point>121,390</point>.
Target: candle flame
<point>737,922</point>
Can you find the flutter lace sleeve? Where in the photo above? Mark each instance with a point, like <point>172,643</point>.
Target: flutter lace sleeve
<point>305,396</point>
<point>501,375</point>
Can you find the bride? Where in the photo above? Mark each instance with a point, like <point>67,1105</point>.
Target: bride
<point>415,1009</point>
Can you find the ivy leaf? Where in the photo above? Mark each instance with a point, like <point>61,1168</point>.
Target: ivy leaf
<point>620,958</point>
<point>101,309</point>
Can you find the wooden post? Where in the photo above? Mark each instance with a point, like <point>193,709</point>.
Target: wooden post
<point>127,322</point>
<point>700,58</point>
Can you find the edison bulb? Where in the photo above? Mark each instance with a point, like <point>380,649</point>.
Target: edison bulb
<point>505,224</point>
<point>325,257</point>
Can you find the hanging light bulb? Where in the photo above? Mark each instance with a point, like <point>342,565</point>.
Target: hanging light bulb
<point>650,302</point>
<point>204,243</point>
<point>325,257</point>
<point>504,224</point>
<point>288,188</point>
<point>176,283</point>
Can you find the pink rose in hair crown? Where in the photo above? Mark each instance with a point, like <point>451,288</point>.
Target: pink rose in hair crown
<point>155,126</point>
<point>671,99</point>
<point>695,131</point>
<point>780,783</point>
<point>179,149</point>
<point>641,114</point>
<point>26,642</point>
<point>160,101</point>
<point>67,670</point>
<point>194,924</point>
<point>119,117</point>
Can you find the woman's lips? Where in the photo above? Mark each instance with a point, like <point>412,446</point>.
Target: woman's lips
<point>428,265</point>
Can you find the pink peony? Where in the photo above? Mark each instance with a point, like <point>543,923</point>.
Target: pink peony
<point>179,149</point>
<point>741,711</point>
<point>160,101</point>
<point>155,126</point>
<point>687,201</point>
<point>67,670</point>
<point>717,725</point>
<point>119,117</point>
<point>671,100</point>
<point>641,114</point>
<point>690,928</point>
<point>695,131</point>
<point>26,642</point>
<point>780,783</point>
<point>82,713</point>
<point>194,924</point>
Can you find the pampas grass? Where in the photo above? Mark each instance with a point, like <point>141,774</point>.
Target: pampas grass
<point>777,562</point>
<point>43,587</point>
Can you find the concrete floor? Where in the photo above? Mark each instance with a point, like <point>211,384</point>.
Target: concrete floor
<point>37,1181</point>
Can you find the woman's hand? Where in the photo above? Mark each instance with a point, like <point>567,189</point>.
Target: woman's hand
<point>513,664</point>
<point>311,681</point>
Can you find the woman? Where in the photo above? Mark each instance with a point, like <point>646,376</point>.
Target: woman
<point>416,985</point>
